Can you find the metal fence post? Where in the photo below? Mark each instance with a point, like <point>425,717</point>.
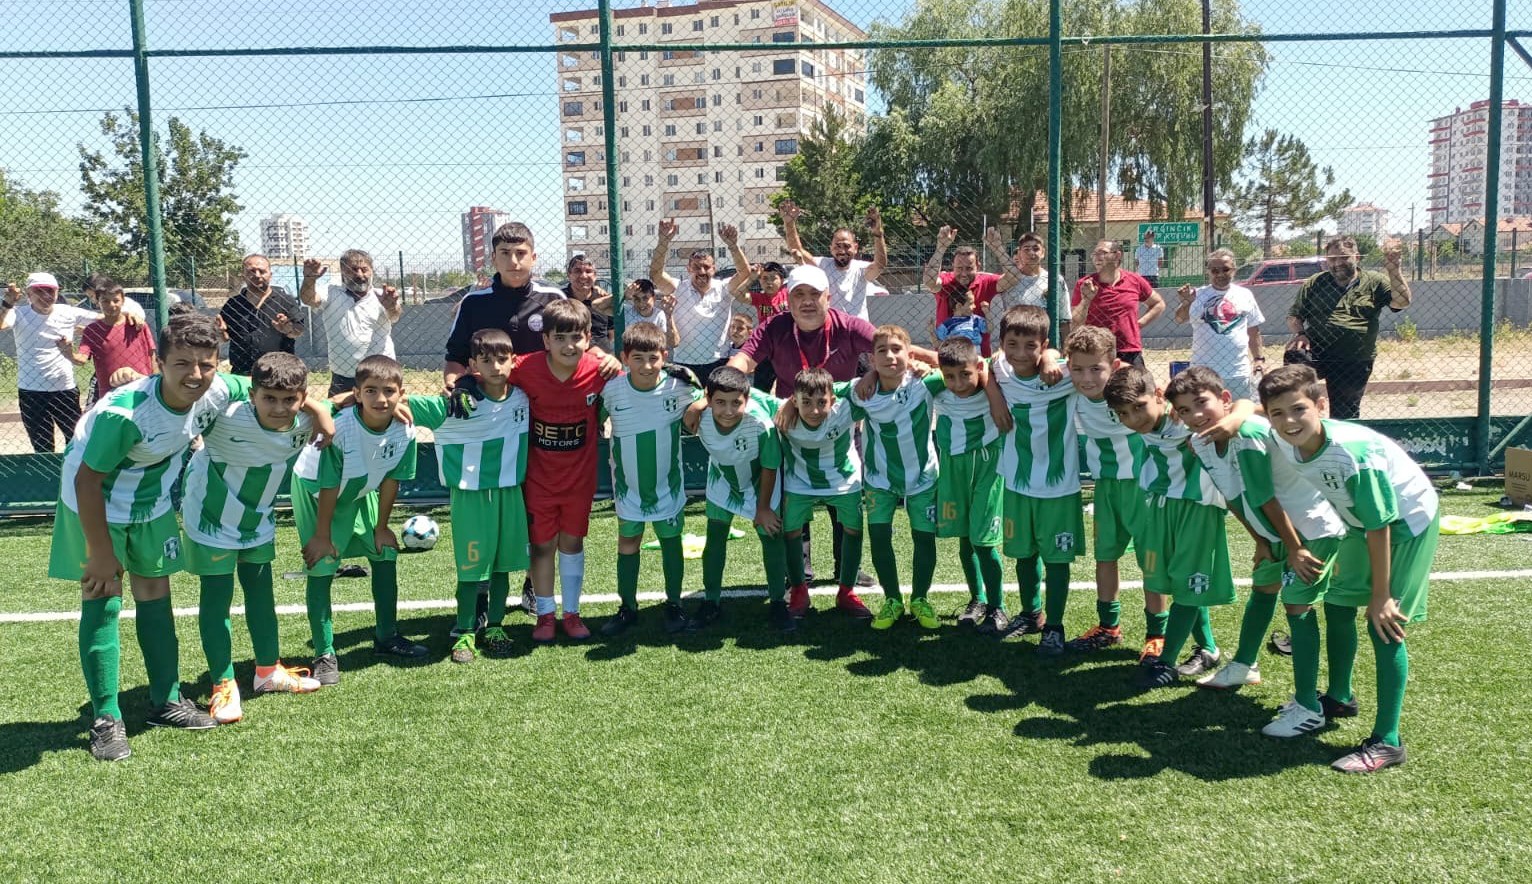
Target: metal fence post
<point>1055,160</point>
<point>613,193</point>
<point>1420,253</point>
<point>1491,234</point>
<point>151,163</point>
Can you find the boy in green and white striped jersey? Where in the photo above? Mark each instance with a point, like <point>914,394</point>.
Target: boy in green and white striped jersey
<point>734,424</point>
<point>646,404</point>
<point>899,466</point>
<point>231,486</point>
<point>114,514</point>
<point>481,456</point>
<point>1182,542</point>
<point>342,500</point>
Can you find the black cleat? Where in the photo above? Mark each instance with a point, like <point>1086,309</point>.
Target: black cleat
<point>1333,708</point>
<point>1025,623</point>
<point>780,618</point>
<point>351,571</point>
<point>995,622</point>
<point>109,739</point>
<point>1373,755</point>
<point>495,644</point>
<point>528,599</point>
<point>973,612</point>
<point>183,714</point>
<point>1052,643</point>
<point>619,622</point>
<point>325,670</point>
<point>676,619</point>
<point>397,645</point>
<point>1153,673</point>
<point>1202,660</point>
<point>706,615</point>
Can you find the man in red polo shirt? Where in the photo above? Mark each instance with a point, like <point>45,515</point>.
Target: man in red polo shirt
<point>1110,299</point>
<point>966,276</point>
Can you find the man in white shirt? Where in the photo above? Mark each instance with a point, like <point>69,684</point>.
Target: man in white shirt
<point>849,276</point>
<point>703,305</point>
<point>1150,258</point>
<point>1226,326</point>
<point>358,319</point>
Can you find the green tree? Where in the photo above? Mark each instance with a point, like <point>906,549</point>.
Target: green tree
<point>1301,246</point>
<point>1283,187</point>
<point>827,177</point>
<point>35,235</point>
<point>197,200</point>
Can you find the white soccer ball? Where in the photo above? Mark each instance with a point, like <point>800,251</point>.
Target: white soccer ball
<point>419,533</point>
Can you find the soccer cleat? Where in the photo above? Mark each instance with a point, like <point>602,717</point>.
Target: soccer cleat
<point>1155,674</point>
<point>925,615</point>
<point>1202,660</point>
<point>1097,638</point>
<point>351,571</point>
<point>808,564</point>
<point>888,614</point>
<point>463,649</point>
<point>495,643</point>
<point>109,739</point>
<point>225,707</point>
<point>1293,720</point>
<point>184,714</point>
<point>676,620</point>
<point>1280,643</point>
<point>780,618</point>
<point>528,598</point>
<point>1026,623</point>
<point>847,602</point>
<point>798,600</point>
<point>544,630</point>
<point>574,627</point>
<point>995,622</point>
<point>280,679</point>
<point>1373,755</point>
<point>707,614</point>
<point>397,645</point>
<point>863,579</point>
<point>619,622</point>
<point>326,670</point>
<point>1052,642</point>
<point>1334,708</point>
<point>480,617</point>
<point>1232,677</point>
<point>972,614</point>
<point>1154,646</point>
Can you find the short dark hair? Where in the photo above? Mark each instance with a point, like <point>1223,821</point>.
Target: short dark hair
<point>1299,379</point>
<point>645,285</point>
<point>1091,340</point>
<point>279,371</point>
<point>195,331</point>
<point>960,251</point>
<point>490,343</point>
<point>379,369</point>
<point>180,308</point>
<point>813,382</point>
<point>1025,320</point>
<point>576,260</point>
<point>957,352</point>
<point>1194,380</point>
<point>568,315</point>
<point>727,379</point>
<point>698,255</point>
<point>512,232</point>
<point>100,282</point>
<point>1127,385</point>
<point>1029,236</point>
<point>774,267</point>
<point>643,337</point>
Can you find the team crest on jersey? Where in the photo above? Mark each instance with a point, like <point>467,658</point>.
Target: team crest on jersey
<point>742,445</point>
<point>205,420</point>
<point>1064,541</point>
<point>672,405</point>
<point>902,396</point>
<point>1198,583</point>
<point>519,416</point>
<point>590,399</point>
<point>173,548</point>
<point>832,433</point>
<point>1331,480</point>
<point>297,440</point>
<point>931,513</point>
<point>1288,577</point>
<point>389,450</point>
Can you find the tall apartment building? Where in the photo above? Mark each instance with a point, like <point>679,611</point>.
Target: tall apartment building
<point>703,137</point>
<point>1364,219</point>
<point>479,224</point>
<point>1459,149</point>
<point>284,236</point>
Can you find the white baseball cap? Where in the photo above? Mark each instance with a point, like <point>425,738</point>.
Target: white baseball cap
<point>42,281</point>
<point>809,275</point>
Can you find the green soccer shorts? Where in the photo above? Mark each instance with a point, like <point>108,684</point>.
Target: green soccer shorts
<point>881,506</point>
<point>968,496</point>
<point>212,561</point>
<point>1118,509</point>
<point>1051,528</point>
<point>716,513</point>
<point>1185,552</point>
<point>489,532</point>
<point>1409,571</point>
<point>147,549</point>
<point>1295,591</point>
<point>663,528</point>
<point>351,530</point>
<point>798,509</point>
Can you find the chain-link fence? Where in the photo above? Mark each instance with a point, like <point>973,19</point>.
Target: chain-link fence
<point>412,130</point>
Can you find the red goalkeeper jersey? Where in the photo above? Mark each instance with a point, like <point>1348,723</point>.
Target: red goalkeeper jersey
<point>561,454</point>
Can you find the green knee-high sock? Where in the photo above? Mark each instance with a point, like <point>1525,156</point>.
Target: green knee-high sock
<point>1109,614</point>
<point>1029,576</point>
<point>970,562</point>
<point>792,553</point>
<point>1155,623</point>
<point>260,612</point>
<point>925,563</point>
<point>467,604</point>
<point>673,563</point>
<point>1259,609</point>
<point>156,627</point>
<point>1304,630</point>
<point>992,573</point>
<point>881,539</point>
<point>715,553</point>
<point>385,598</point>
<point>499,593</point>
<point>1393,661</point>
<point>851,558</point>
<point>101,653</point>
<point>774,558</point>
<point>627,580</point>
<point>1340,650</point>
<point>1183,618</point>
<point>213,623</point>
<point>1202,631</point>
<point>1057,577</point>
<point>316,597</point>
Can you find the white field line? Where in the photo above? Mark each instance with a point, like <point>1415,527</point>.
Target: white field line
<point>610,597</point>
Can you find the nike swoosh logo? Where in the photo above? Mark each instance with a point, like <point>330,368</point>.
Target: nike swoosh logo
<point>220,558</point>
<point>239,440</point>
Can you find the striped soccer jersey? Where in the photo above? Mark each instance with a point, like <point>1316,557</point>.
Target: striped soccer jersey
<point>963,423</point>
<point>1249,473</point>
<point>233,480</point>
<point>486,450</point>
<point>647,480</point>
<point>359,459</point>
<point>822,461</point>
<point>898,454</point>
<point>1171,467</point>
<point>736,458</point>
<point>1369,480</point>
<point>1112,451</point>
<point>1040,457</point>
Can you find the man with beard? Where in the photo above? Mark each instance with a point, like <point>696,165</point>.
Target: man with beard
<point>582,287</point>
<point>358,319</point>
<point>1335,319</point>
<point>965,277</point>
<point>850,277</point>
<point>1110,299</point>
<point>703,304</point>
<point>260,319</point>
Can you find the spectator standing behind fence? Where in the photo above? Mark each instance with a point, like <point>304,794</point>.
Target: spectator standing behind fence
<point>123,351</point>
<point>260,319</point>
<point>1335,319</point>
<point>703,304</point>
<point>581,272</point>
<point>965,281</point>
<point>358,319</point>
<point>1149,258</point>
<point>1226,326</point>
<point>1031,287</point>
<point>1110,299</point>
<point>849,276</point>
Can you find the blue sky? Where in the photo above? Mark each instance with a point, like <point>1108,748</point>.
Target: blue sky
<point>383,152</point>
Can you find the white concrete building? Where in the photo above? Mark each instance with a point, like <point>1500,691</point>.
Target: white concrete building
<point>1364,219</point>
<point>1459,148</point>
<point>284,236</point>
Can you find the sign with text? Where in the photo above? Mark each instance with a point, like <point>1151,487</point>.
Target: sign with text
<point>1172,233</point>
<point>784,13</point>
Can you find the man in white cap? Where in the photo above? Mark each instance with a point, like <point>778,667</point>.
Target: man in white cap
<point>45,379</point>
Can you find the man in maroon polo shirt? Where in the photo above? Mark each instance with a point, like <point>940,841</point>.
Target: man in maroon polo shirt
<point>1110,299</point>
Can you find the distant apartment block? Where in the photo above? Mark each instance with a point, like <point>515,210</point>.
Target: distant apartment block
<point>1364,219</point>
<point>701,137</point>
<point>284,236</point>
<point>479,224</point>
<point>1459,150</point>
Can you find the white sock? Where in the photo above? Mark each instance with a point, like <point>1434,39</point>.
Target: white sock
<point>544,605</point>
<point>571,579</point>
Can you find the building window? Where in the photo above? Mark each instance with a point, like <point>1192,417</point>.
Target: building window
<point>643,29</point>
<point>701,177</point>
<point>786,146</point>
<point>571,84</point>
<point>576,185</point>
<point>701,128</point>
<point>717,152</point>
<point>757,120</point>
<point>574,108</point>
<point>665,28</point>
<point>668,80</point>
<point>697,25</point>
<point>569,61</point>
<point>755,67</point>
<point>648,180</point>
<point>575,158</point>
<point>717,74</point>
<point>717,177</point>
<point>784,37</point>
<point>760,146</point>
<point>672,180</point>
<point>670,130</point>
<point>568,35</point>
<point>718,125</point>
<point>647,131</point>
<point>755,14</point>
<point>781,173</point>
<point>578,207</point>
<point>782,66</point>
<point>643,79</point>
<point>856,95</point>
<point>713,22</point>
<point>579,232</point>
<point>622,30</point>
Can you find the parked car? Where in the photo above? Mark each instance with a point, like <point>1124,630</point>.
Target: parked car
<point>1278,271</point>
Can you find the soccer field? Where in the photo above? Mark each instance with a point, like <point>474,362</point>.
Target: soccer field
<point>834,754</point>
